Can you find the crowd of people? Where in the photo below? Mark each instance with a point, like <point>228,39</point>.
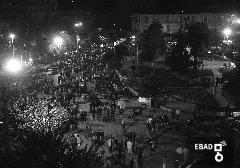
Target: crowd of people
<point>46,98</point>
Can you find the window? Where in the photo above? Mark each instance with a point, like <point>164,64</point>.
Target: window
<point>146,19</point>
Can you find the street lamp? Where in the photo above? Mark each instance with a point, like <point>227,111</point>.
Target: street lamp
<point>227,32</point>
<point>58,41</point>
<point>12,36</point>
<point>13,66</point>
<point>78,25</point>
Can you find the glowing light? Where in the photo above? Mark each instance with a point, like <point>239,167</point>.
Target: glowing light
<point>236,21</point>
<point>58,41</point>
<point>30,60</point>
<point>78,24</point>
<point>227,41</point>
<point>227,32</point>
<point>12,36</point>
<point>232,65</point>
<point>13,66</point>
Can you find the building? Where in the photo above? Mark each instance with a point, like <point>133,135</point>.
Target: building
<point>171,22</point>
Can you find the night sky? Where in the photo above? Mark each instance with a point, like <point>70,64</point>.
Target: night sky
<point>152,6</point>
<point>121,10</point>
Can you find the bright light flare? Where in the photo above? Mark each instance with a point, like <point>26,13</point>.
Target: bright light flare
<point>30,60</point>
<point>13,65</point>
<point>227,32</point>
<point>237,21</point>
<point>12,36</point>
<point>58,41</point>
<point>78,24</point>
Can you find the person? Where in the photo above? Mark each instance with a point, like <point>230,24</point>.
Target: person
<point>179,152</point>
<point>60,79</point>
<point>173,113</point>
<point>113,109</point>
<point>176,164</point>
<point>129,147</point>
<point>146,148</point>
<point>93,112</point>
<point>108,114</point>
<point>217,81</point>
<point>78,140</point>
<point>165,98</point>
<point>101,154</point>
<point>152,147</point>
<point>99,113</point>
<point>185,153</point>
<point>178,114</point>
<point>148,125</point>
<point>140,157</point>
<point>131,162</point>
<point>110,144</point>
<point>100,135</point>
<point>123,125</point>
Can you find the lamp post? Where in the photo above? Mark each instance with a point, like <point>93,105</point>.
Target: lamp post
<point>12,67</point>
<point>77,26</point>
<point>227,32</point>
<point>58,41</point>
<point>12,36</point>
<point>137,50</point>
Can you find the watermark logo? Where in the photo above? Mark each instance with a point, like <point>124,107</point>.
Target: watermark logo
<point>217,147</point>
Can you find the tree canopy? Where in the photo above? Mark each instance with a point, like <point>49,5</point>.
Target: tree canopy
<point>179,59</point>
<point>152,41</point>
<point>198,36</point>
<point>191,43</point>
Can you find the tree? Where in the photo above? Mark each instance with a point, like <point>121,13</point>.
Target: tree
<point>114,58</point>
<point>192,41</point>
<point>233,78</point>
<point>179,60</point>
<point>198,40</point>
<point>152,41</point>
<point>42,150</point>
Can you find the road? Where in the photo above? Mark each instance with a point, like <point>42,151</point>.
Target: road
<point>214,66</point>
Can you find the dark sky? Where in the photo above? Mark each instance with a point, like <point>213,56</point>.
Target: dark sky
<point>121,10</point>
<point>152,6</point>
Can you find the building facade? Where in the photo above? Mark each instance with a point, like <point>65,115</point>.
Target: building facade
<point>171,22</point>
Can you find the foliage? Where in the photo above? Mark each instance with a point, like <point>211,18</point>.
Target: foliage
<point>179,60</point>
<point>192,41</point>
<point>152,41</point>
<point>43,150</point>
<point>198,40</point>
<point>233,77</point>
<point>37,117</point>
<point>114,58</point>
